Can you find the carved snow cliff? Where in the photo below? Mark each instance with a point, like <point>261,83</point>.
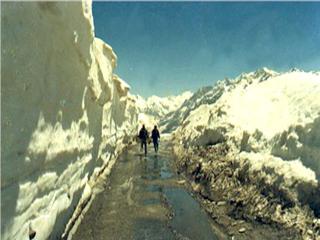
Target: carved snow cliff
<point>65,115</point>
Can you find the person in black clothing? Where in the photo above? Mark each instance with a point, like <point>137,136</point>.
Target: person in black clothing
<point>155,135</point>
<point>144,135</point>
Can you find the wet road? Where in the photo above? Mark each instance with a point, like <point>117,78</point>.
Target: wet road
<point>143,198</point>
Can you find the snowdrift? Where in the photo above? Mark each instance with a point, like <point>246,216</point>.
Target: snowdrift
<point>271,125</point>
<point>65,115</point>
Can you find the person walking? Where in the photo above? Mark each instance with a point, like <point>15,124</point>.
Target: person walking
<point>155,135</point>
<point>143,135</point>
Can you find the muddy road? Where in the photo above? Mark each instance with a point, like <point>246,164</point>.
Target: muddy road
<point>144,198</point>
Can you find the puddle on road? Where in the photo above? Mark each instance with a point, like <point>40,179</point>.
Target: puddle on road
<point>151,201</point>
<point>151,229</point>
<point>135,203</point>
<point>189,219</point>
<point>153,188</point>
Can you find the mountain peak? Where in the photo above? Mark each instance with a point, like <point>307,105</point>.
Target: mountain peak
<point>265,71</point>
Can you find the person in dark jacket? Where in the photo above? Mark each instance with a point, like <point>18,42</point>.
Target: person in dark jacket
<point>155,135</point>
<point>144,135</point>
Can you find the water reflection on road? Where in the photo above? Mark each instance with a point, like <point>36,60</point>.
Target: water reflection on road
<point>142,199</point>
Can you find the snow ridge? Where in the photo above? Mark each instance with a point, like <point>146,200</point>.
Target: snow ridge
<point>210,94</point>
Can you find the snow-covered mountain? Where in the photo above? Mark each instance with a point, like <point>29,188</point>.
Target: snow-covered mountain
<point>160,106</point>
<point>154,108</point>
<point>270,123</point>
<point>209,95</point>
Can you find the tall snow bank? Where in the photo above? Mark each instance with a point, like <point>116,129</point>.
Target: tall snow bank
<point>271,123</point>
<point>278,115</point>
<point>274,105</point>
<point>65,116</point>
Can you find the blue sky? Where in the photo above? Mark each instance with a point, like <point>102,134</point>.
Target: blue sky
<point>165,48</point>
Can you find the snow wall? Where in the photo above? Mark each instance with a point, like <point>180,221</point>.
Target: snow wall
<point>65,115</point>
